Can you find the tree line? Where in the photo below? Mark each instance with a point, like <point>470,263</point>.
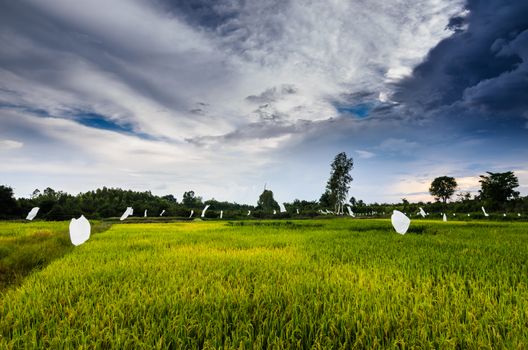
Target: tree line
<point>497,194</point>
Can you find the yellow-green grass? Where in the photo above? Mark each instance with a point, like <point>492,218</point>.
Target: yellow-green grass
<point>301,284</point>
<point>29,246</point>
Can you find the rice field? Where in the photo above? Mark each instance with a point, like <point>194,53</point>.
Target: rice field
<point>340,284</point>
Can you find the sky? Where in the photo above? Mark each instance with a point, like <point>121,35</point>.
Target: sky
<point>225,97</point>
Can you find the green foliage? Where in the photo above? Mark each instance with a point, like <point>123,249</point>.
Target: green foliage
<point>191,201</point>
<point>328,199</point>
<point>8,203</point>
<point>442,188</point>
<point>498,187</point>
<point>266,202</point>
<point>327,284</point>
<point>338,183</point>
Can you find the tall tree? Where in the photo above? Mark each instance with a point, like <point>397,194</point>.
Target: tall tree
<point>339,181</point>
<point>266,202</point>
<point>498,187</point>
<point>443,187</point>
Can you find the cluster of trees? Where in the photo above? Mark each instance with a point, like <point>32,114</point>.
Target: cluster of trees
<point>497,194</point>
<point>497,191</point>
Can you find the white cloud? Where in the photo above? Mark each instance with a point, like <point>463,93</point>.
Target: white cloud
<point>468,183</point>
<point>365,154</point>
<point>397,145</point>
<point>10,144</point>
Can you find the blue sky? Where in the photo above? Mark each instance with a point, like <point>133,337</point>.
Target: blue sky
<point>224,96</point>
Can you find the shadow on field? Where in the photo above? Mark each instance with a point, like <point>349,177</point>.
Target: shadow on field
<point>274,224</point>
<point>19,256</point>
<point>418,230</point>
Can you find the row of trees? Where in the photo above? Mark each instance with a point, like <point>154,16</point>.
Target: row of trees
<point>497,193</point>
<point>104,203</point>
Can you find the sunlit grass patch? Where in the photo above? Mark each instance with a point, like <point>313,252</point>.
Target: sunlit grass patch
<point>307,284</point>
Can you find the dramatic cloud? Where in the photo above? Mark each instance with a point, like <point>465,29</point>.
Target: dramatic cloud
<point>188,94</point>
<point>483,66</point>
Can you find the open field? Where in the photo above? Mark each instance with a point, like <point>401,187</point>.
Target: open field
<point>337,283</point>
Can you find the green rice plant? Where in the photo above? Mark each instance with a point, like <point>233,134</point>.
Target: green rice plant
<point>320,284</point>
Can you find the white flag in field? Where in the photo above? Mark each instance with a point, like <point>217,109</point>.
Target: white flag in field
<point>145,214</point>
<point>129,211</point>
<point>221,214</point>
<point>162,212</point>
<point>192,213</point>
<point>400,222</point>
<point>31,215</point>
<point>484,211</point>
<point>204,210</point>
<point>422,212</point>
<point>79,230</point>
<point>444,217</point>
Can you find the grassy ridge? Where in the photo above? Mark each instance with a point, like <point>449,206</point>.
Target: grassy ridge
<point>323,284</point>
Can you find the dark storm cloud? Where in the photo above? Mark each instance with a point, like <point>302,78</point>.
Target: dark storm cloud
<point>508,91</point>
<point>482,66</point>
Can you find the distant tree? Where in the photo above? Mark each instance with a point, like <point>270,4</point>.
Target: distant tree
<point>353,201</point>
<point>8,203</point>
<point>498,187</point>
<point>35,193</point>
<point>339,181</point>
<point>303,205</point>
<point>442,188</point>
<point>170,198</point>
<point>266,202</point>
<point>463,196</point>
<point>49,192</point>
<point>190,200</point>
